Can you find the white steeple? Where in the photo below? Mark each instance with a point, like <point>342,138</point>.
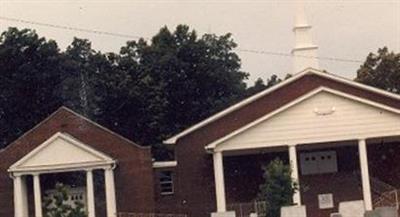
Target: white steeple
<point>305,51</point>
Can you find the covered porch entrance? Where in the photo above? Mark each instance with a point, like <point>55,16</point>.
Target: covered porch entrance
<point>61,154</point>
<point>331,170</point>
<point>334,172</point>
<point>323,132</point>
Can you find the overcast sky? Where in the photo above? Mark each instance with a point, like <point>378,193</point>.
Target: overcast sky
<point>342,29</point>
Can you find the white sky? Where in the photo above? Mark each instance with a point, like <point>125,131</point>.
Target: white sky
<point>342,29</point>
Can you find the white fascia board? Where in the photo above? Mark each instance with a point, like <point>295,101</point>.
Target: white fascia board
<point>61,168</point>
<point>295,102</point>
<point>283,143</point>
<point>173,139</point>
<point>164,164</point>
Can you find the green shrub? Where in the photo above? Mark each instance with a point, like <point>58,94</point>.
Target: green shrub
<point>278,188</point>
<point>56,206</point>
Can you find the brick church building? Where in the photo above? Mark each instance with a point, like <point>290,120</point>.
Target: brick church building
<point>341,139</point>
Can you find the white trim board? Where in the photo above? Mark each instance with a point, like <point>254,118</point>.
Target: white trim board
<point>214,144</point>
<point>164,164</point>
<point>174,139</point>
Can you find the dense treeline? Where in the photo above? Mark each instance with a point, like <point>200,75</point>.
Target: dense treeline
<point>147,91</point>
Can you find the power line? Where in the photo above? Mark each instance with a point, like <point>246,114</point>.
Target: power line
<point>70,28</point>
<point>262,52</point>
<point>291,55</point>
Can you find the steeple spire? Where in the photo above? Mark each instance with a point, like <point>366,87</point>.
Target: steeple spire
<point>304,51</point>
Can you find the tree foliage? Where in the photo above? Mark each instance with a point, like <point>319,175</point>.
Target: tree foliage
<point>259,84</point>
<point>29,79</point>
<point>381,70</point>
<point>146,92</point>
<point>57,205</point>
<point>278,188</point>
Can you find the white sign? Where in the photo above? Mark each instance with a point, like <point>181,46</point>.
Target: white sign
<point>325,201</point>
<point>318,162</point>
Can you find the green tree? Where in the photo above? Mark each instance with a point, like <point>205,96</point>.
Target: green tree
<point>146,92</point>
<point>198,76</point>
<point>182,79</point>
<point>29,79</point>
<point>381,70</point>
<point>259,84</point>
<point>278,188</point>
<point>56,206</point>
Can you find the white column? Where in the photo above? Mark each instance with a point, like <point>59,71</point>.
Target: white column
<point>295,172</point>
<point>362,149</point>
<point>110,192</point>
<point>219,181</point>
<point>24,196</point>
<point>90,194</point>
<point>20,197</point>
<point>37,195</point>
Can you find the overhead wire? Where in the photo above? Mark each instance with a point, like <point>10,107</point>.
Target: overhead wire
<point>121,35</point>
<point>70,28</point>
<point>303,56</point>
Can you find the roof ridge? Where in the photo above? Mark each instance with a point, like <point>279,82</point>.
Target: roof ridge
<point>65,108</point>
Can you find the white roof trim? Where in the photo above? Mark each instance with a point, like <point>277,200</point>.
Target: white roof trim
<point>304,97</point>
<point>295,77</point>
<point>106,160</point>
<point>164,164</point>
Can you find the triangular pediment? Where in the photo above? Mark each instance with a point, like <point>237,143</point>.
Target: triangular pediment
<point>61,152</point>
<point>324,115</point>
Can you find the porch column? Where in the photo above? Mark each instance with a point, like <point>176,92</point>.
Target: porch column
<point>90,193</point>
<point>25,196</point>
<point>295,173</point>
<point>219,181</point>
<point>362,149</point>
<point>20,197</point>
<point>37,195</point>
<point>110,192</point>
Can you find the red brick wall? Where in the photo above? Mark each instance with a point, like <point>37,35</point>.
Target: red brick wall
<point>133,175</point>
<point>166,203</point>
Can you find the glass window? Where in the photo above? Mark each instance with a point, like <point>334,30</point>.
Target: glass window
<point>166,183</point>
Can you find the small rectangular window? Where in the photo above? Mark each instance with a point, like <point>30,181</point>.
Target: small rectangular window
<point>166,183</point>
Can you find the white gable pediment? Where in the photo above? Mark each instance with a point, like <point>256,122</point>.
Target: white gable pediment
<point>61,152</point>
<point>324,115</point>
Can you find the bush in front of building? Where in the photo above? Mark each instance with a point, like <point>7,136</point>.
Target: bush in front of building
<point>57,205</point>
<point>278,188</point>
